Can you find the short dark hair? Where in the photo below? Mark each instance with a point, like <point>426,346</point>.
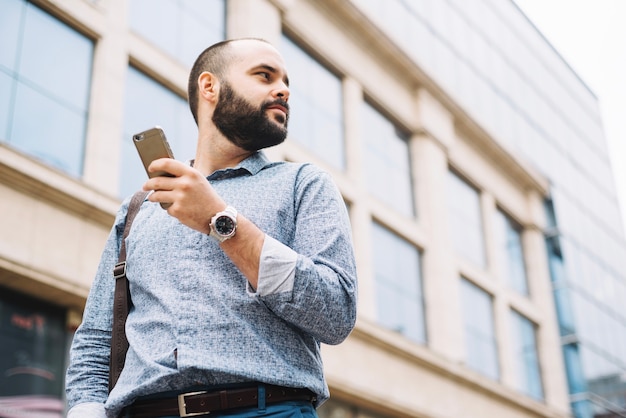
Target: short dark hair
<point>215,59</point>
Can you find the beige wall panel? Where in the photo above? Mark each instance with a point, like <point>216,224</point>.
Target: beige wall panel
<point>49,240</point>
<point>435,118</point>
<point>253,18</point>
<point>16,217</point>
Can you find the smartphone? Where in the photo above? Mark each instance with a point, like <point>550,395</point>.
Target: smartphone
<point>152,145</point>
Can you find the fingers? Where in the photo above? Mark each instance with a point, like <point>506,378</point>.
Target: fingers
<point>174,180</point>
<point>160,183</point>
<point>161,197</point>
<point>163,171</point>
<point>168,165</point>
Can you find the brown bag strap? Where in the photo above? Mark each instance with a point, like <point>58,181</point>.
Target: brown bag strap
<point>121,301</point>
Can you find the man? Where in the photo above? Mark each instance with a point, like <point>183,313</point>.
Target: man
<point>229,308</point>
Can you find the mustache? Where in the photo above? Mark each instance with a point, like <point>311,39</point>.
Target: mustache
<point>277,102</point>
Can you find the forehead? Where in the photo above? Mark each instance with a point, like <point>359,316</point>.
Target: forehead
<point>251,54</point>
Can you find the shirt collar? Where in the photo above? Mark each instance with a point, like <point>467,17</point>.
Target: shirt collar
<point>252,165</point>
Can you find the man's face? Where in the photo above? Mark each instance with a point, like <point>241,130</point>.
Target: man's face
<point>246,125</point>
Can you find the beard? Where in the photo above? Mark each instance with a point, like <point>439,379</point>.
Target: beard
<point>244,125</point>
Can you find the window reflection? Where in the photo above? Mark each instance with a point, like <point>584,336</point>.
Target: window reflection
<point>33,335</point>
<point>398,284</point>
<point>524,344</point>
<point>386,161</point>
<point>480,341</point>
<point>567,325</point>
<point>508,234</point>
<point>10,22</point>
<point>146,104</point>
<point>44,113</point>
<point>465,220</point>
<point>606,383</point>
<point>182,28</point>
<point>6,98</point>
<point>316,105</point>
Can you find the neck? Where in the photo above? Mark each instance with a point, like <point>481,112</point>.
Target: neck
<point>216,152</point>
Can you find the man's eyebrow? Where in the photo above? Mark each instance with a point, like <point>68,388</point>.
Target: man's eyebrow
<point>272,70</point>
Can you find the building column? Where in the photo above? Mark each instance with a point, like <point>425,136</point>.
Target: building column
<point>254,18</point>
<point>439,276</point>
<point>106,121</point>
<point>548,338</point>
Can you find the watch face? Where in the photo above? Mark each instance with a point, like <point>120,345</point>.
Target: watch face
<point>224,225</point>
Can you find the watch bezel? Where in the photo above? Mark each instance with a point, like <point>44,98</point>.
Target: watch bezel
<point>224,225</point>
<point>231,214</point>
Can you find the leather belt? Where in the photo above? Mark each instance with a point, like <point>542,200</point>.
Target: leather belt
<point>205,402</point>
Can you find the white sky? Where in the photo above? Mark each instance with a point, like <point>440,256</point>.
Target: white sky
<point>591,36</point>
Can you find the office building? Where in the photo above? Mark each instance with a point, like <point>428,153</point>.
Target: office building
<point>488,237</point>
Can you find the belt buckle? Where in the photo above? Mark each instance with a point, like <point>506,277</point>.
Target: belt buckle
<point>182,406</point>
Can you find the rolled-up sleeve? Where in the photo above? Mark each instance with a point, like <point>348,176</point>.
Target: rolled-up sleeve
<point>277,269</point>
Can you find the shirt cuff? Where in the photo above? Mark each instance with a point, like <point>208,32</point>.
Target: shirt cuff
<point>277,269</point>
<point>88,409</point>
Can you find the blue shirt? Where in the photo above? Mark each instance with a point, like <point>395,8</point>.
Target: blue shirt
<point>196,320</point>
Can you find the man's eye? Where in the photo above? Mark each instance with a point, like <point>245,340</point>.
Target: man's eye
<point>264,74</point>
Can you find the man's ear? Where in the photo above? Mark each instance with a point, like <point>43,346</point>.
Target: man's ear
<point>208,86</point>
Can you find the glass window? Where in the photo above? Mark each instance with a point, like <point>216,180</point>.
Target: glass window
<point>32,357</point>
<point>182,28</point>
<point>584,409</point>
<point>386,161</point>
<point>11,24</point>
<point>480,341</point>
<point>398,284</point>
<point>141,113</point>
<point>316,105</point>
<point>567,324</point>
<point>524,345</point>
<point>465,220</point>
<point>555,261</point>
<point>603,376</point>
<point>43,113</point>
<point>6,103</point>
<point>508,234</point>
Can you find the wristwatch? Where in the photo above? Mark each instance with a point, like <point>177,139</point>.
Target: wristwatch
<point>224,224</point>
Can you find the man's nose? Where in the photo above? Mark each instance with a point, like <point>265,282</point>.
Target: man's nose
<point>282,92</point>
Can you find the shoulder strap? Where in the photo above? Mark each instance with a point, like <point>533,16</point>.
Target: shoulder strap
<point>121,301</point>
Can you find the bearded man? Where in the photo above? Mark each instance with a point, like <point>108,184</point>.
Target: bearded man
<point>237,283</point>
